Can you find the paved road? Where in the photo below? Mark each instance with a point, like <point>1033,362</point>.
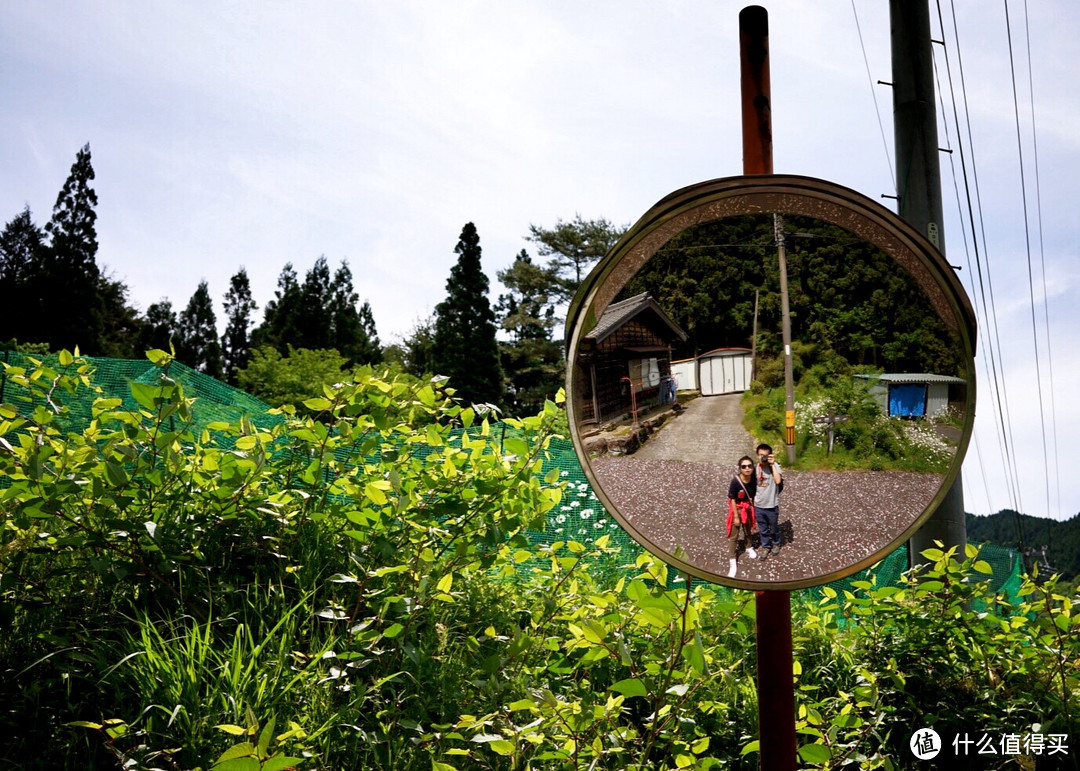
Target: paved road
<point>709,431</point>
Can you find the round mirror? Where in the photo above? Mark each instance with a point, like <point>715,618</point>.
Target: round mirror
<point>678,373</point>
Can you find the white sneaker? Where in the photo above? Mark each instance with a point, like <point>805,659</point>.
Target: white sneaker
<point>732,570</point>
<point>752,553</point>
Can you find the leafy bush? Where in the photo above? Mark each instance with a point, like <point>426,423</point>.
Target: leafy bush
<point>355,587</point>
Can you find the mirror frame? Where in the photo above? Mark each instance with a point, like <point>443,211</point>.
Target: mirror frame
<point>729,197</point>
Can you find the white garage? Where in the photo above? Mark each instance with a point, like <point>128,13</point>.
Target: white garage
<point>724,371</point>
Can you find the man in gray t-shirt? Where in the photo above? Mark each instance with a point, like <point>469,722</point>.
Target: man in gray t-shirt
<point>770,479</point>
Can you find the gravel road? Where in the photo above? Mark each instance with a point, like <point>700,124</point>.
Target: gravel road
<point>673,491</point>
<point>828,520</point>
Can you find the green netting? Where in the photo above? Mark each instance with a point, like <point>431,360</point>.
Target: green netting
<point>580,516</point>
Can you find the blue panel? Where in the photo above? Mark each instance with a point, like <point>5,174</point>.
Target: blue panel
<point>907,401</point>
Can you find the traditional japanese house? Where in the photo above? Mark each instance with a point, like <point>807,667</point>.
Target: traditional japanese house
<point>626,360</point>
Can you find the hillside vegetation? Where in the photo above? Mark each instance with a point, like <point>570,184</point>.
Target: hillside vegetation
<point>353,587</point>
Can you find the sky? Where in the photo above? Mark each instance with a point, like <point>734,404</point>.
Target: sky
<point>259,133</point>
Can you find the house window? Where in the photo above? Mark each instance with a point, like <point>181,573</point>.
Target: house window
<point>645,373</point>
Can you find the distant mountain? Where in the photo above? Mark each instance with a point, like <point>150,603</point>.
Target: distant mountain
<point>1061,538</point>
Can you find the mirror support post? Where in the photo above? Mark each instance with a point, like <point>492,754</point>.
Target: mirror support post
<point>776,694</point>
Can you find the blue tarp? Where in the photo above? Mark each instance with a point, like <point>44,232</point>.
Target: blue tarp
<point>907,400</point>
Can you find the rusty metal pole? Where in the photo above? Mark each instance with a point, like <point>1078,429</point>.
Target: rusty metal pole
<point>776,690</point>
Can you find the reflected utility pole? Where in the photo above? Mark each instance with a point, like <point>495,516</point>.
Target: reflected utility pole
<point>785,324</point>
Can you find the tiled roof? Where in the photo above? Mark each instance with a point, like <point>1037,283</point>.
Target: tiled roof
<point>621,312</point>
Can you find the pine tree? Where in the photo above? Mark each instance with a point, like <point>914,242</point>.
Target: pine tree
<point>281,316</point>
<point>573,247</point>
<point>465,347</point>
<point>354,334</point>
<point>531,360</point>
<point>159,327</point>
<point>314,323</point>
<point>198,339</point>
<point>235,343</point>
<point>22,247</point>
<point>370,352</point>
<point>71,276</point>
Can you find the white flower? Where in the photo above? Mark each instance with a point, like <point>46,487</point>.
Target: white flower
<point>561,518</point>
<point>575,504</point>
<point>586,513</point>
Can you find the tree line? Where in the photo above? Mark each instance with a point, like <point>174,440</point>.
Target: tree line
<point>502,353</point>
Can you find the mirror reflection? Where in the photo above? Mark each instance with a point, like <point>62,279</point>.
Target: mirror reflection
<point>680,399</point>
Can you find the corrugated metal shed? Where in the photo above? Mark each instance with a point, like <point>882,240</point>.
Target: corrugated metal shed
<point>911,394</point>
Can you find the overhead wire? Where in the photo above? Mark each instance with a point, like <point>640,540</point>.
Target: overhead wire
<point>1027,246</point>
<point>873,93</point>
<point>990,340</point>
<point>1042,268</point>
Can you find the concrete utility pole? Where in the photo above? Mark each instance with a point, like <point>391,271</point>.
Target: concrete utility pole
<point>918,185</point>
<point>785,328</point>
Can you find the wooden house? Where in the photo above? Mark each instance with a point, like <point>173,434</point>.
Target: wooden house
<point>626,360</point>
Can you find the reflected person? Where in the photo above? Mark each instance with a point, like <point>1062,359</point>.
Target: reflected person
<point>770,483</point>
<point>740,518</point>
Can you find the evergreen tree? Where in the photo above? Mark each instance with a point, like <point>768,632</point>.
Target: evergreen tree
<point>281,316</point>
<point>531,361</point>
<point>369,352</point>
<point>22,246</point>
<point>465,348</point>
<point>159,327</point>
<point>418,348</point>
<point>198,339</point>
<point>314,322</point>
<point>235,343</point>
<point>121,325</point>
<point>70,274</point>
<point>573,247</point>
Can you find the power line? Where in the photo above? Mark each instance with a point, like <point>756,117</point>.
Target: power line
<point>1027,245</point>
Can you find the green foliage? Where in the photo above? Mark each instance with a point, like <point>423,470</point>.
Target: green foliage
<point>291,379</point>
<point>867,440</point>
<point>172,591</point>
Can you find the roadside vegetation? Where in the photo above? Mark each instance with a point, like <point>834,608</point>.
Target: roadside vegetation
<point>357,586</point>
<point>868,440</point>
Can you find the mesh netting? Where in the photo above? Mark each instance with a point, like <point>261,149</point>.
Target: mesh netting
<point>579,517</point>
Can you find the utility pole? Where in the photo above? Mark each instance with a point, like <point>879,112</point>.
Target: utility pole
<point>918,186</point>
<point>785,325</point>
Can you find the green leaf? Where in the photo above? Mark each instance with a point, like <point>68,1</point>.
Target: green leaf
<point>237,764</point>
<point>817,754</point>
<point>235,730</point>
<point>393,631</point>
<point>754,746</point>
<point>983,567</point>
<point>318,404</point>
<point>630,687</point>
<point>502,747</point>
<point>242,750</point>
<point>66,359</point>
<point>446,582</point>
<point>281,762</point>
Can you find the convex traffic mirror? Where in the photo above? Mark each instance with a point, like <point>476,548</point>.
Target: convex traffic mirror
<point>676,374</point>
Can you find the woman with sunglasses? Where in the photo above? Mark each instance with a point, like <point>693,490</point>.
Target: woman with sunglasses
<point>740,516</point>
